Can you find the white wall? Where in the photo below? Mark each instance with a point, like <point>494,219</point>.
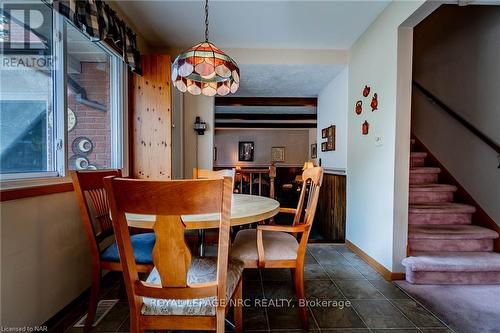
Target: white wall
<point>198,149</point>
<point>333,109</point>
<point>371,189</point>
<point>45,258</point>
<point>472,93</point>
<point>295,141</point>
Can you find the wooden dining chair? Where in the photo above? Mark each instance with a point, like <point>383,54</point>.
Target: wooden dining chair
<point>277,246</point>
<point>182,292</point>
<point>210,174</point>
<point>94,213</point>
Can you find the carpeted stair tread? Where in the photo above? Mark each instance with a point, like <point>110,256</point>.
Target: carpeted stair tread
<point>442,208</point>
<point>453,262</point>
<point>432,188</point>
<point>426,170</point>
<point>450,231</point>
<point>418,154</point>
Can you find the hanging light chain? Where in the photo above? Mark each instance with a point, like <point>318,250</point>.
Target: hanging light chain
<point>206,20</point>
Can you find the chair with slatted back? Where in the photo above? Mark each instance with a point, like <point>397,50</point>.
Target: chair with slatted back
<point>94,213</point>
<point>182,292</point>
<point>210,174</point>
<point>277,246</point>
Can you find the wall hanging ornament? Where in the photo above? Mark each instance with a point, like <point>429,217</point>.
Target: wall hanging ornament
<point>205,69</point>
<point>82,145</point>
<point>366,91</point>
<point>374,103</point>
<point>359,107</point>
<point>365,128</point>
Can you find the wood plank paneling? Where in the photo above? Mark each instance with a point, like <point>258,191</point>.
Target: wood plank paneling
<point>331,214</point>
<point>151,119</point>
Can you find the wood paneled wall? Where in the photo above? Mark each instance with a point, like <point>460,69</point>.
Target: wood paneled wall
<point>331,214</point>
<point>150,122</point>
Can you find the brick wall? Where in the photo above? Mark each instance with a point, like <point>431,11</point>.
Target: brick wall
<point>91,123</point>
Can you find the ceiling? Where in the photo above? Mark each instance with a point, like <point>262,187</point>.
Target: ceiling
<point>253,24</point>
<point>285,80</point>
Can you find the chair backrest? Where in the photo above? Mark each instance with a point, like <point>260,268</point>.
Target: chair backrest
<point>168,200</point>
<point>210,174</point>
<point>93,204</point>
<point>312,179</point>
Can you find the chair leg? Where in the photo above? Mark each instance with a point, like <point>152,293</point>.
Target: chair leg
<point>299,289</point>
<point>238,307</point>
<point>94,299</point>
<point>220,317</point>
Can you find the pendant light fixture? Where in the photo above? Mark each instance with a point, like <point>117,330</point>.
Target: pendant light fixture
<point>205,69</point>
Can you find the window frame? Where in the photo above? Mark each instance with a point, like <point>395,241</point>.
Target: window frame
<point>60,151</point>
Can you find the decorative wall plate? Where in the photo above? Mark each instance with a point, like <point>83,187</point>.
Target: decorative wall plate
<point>79,162</point>
<point>82,145</point>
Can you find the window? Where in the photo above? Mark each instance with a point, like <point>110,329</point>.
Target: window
<point>26,83</point>
<point>61,97</point>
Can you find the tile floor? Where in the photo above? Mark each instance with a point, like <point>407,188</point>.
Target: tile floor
<point>360,299</point>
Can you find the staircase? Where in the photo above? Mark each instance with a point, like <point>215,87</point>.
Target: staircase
<point>445,248</point>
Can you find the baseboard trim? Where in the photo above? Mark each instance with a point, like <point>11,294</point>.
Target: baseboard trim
<point>387,274</point>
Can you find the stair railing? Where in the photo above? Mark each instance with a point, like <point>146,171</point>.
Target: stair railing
<point>435,100</point>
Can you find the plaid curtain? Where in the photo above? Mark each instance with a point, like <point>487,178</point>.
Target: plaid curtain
<point>101,23</point>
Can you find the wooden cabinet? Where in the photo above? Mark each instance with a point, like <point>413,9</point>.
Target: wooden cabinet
<point>150,121</point>
<point>331,214</point>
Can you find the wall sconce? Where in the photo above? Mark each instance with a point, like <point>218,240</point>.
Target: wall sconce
<point>199,126</point>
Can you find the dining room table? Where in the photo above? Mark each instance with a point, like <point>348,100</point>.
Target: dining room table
<point>245,209</point>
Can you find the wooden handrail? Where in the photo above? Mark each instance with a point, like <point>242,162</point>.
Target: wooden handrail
<point>271,171</point>
<point>433,99</point>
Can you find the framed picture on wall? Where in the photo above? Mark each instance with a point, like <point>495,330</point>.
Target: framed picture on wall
<point>245,151</point>
<point>314,150</point>
<point>324,133</point>
<point>278,154</point>
<point>330,142</point>
<point>323,146</point>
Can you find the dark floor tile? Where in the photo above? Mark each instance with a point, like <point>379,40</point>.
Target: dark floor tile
<point>254,319</point>
<point>389,289</point>
<point>343,272</point>
<point>251,274</point>
<point>417,313</point>
<point>381,314</point>
<point>252,290</point>
<point>358,289</point>
<point>436,330</point>
<point>309,259</point>
<point>276,274</point>
<point>369,272</point>
<point>279,290</point>
<point>337,316</point>
<point>397,330</point>
<point>314,272</point>
<point>287,318</point>
<point>346,330</point>
<point>322,289</point>
<point>125,326</point>
<point>114,319</point>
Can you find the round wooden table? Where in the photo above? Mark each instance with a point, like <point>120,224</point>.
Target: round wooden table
<point>245,209</point>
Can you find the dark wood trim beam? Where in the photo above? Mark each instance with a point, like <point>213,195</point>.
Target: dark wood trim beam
<point>265,116</point>
<point>265,125</point>
<point>266,101</point>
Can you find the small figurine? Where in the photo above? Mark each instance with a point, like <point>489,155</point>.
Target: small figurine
<point>365,127</point>
<point>359,107</point>
<point>366,91</point>
<point>374,103</point>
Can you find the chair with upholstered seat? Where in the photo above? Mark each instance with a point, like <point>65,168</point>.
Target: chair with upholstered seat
<point>276,246</point>
<point>182,292</point>
<point>94,213</point>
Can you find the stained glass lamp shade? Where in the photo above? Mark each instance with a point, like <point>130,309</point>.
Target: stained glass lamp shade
<point>205,69</point>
